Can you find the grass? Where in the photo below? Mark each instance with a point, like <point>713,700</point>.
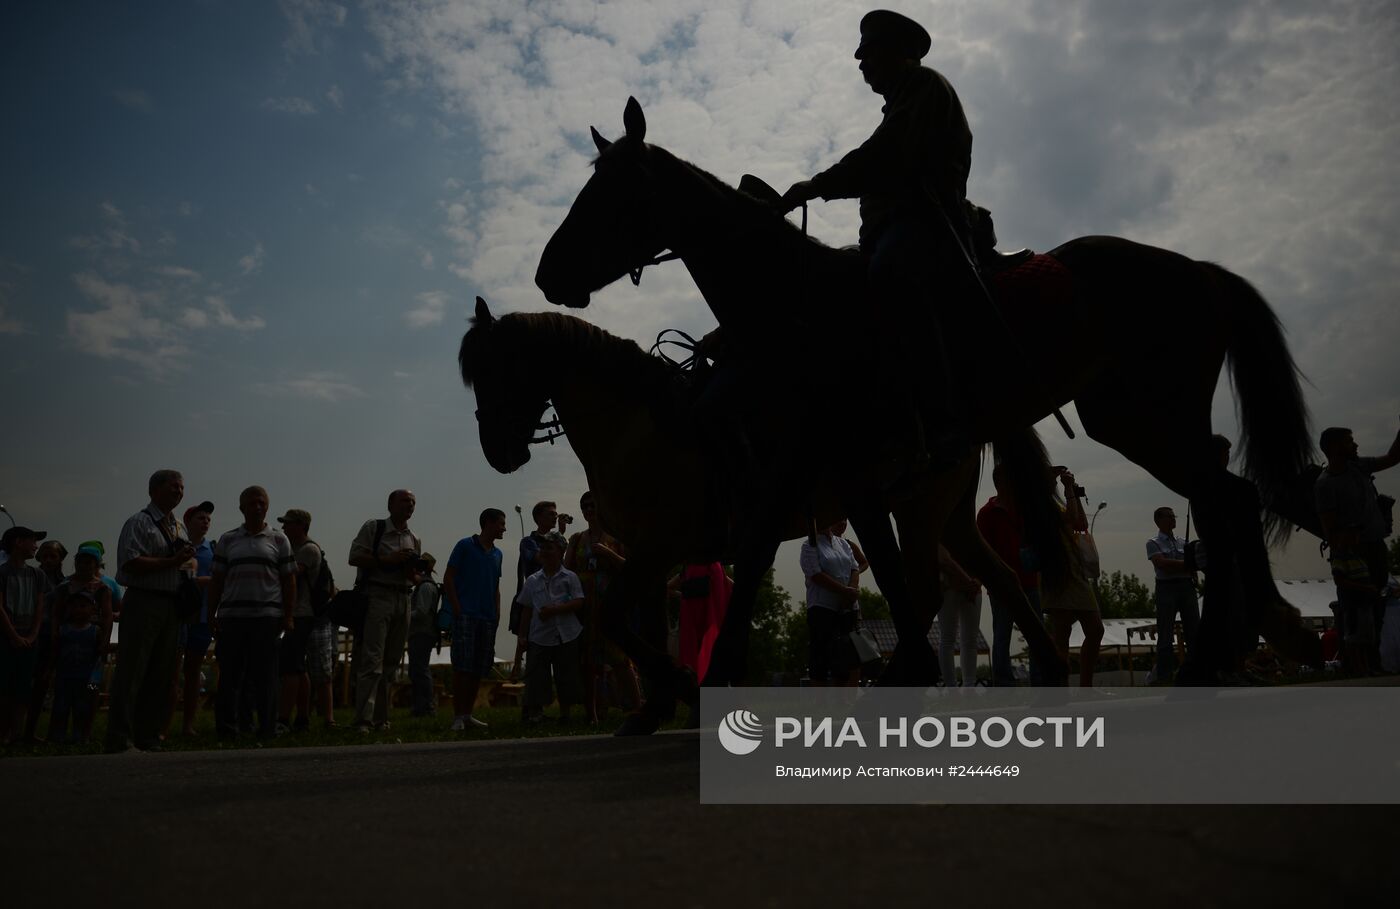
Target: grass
<point>503,723</point>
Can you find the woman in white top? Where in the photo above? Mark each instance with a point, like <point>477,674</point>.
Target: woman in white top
<point>833,586</point>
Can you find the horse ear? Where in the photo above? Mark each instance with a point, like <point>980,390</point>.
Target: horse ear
<point>483,314</point>
<point>598,140</point>
<point>634,120</point>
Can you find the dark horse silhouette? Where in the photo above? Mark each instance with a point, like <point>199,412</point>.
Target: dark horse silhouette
<point>619,408</point>
<point>1132,315</point>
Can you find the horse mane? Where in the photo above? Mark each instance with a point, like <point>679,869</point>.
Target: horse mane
<point>619,362</point>
<point>750,205</point>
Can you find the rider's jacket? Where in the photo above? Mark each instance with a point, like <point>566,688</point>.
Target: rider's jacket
<point>922,148</point>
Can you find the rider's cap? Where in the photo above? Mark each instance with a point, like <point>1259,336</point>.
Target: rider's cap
<point>884,28</point>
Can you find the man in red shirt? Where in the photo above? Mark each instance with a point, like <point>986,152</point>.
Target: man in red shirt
<point>1000,525</point>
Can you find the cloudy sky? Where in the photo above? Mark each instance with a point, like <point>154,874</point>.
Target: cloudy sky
<point>242,239</point>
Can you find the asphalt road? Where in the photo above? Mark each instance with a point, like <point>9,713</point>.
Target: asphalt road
<point>596,820</point>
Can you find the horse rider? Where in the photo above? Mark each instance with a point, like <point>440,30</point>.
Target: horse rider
<point>911,179</point>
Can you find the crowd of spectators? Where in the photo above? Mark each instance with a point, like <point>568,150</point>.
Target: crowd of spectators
<point>261,596</point>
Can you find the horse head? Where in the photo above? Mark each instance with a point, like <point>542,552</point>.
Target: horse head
<point>498,365</point>
<point>611,228</point>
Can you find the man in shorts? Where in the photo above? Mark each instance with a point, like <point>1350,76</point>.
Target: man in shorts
<point>472,586</point>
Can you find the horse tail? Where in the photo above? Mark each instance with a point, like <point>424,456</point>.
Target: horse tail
<point>1275,438</point>
<point>1025,465</point>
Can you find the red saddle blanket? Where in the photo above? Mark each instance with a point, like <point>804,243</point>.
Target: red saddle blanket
<point>1038,282</point>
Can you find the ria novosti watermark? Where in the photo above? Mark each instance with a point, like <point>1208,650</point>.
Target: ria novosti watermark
<point>1049,745</point>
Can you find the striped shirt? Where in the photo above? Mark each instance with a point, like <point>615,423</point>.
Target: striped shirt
<point>251,564</point>
<point>141,536</point>
<point>24,589</point>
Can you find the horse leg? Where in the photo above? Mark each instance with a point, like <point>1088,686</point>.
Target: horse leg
<point>1167,432</point>
<point>968,549</point>
<point>729,657</point>
<point>644,585</point>
<point>921,519</point>
<point>1238,572</point>
<point>871,522</point>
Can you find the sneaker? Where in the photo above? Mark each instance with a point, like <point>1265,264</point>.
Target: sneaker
<point>459,724</point>
<point>281,730</point>
<point>364,728</point>
<point>383,727</point>
<point>473,721</point>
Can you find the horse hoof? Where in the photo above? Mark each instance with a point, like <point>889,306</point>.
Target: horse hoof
<point>639,723</point>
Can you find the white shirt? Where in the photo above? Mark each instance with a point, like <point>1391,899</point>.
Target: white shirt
<point>542,590</point>
<point>1168,545</point>
<point>832,556</point>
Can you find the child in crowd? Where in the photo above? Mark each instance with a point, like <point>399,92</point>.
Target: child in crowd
<point>77,648</point>
<point>21,615</point>
<point>87,591</point>
<point>552,597</point>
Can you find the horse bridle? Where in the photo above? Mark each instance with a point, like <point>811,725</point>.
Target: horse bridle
<point>551,429</point>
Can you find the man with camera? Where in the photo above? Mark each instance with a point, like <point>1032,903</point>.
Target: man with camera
<point>386,552</point>
<point>1356,520</point>
<point>1175,592</point>
<point>152,552</point>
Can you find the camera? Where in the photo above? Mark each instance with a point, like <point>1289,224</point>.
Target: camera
<point>1079,492</point>
<point>566,519</point>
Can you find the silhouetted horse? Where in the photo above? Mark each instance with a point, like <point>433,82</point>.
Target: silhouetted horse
<point>619,408</point>
<point>1135,336</point>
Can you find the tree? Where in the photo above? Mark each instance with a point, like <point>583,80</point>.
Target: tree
<point>873,605</point>
<point>770,647</point>
<point>1123,596</point>
<point>1395,556</point>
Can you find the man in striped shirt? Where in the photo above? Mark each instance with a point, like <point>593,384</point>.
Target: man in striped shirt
<point>152,551</point>
<point>252,592</point>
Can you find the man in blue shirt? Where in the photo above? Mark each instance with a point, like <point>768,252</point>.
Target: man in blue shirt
<point>1175,593</point>
<point>471,587</point>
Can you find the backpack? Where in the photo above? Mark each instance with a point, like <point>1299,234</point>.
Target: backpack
<point>322,587</point>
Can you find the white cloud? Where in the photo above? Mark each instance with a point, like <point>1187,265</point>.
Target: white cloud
<point>115,234</point>
<point>289,105</point>
<point>336,97</point>
<point>329,387</point>
<point>224,317</point>
<point>430,309</point>
<point>426,260</point>
<point>125,326</point>
<point>306,18</point>
<point>252,263</point>
<point>176,271</point>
